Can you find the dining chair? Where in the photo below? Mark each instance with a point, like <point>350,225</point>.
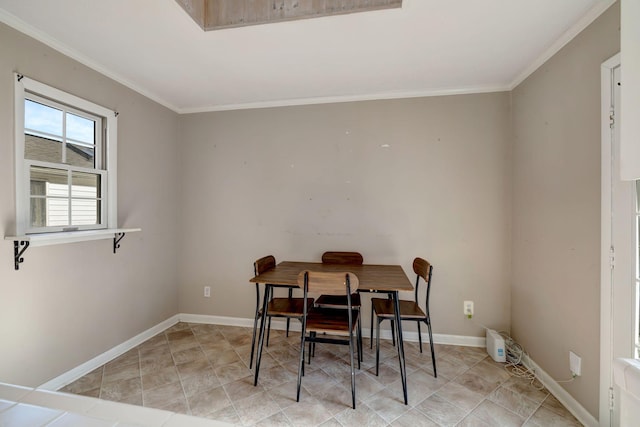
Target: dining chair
<point>409,310</point>
<point>340,301</point>
<point>337,326</point>
<point>286,307</point>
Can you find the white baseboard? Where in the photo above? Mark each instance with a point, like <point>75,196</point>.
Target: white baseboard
<point>68,377</point>
<point>83,369</point>
<point>561,394</point>
<point>79,371</point>
<point>280,324</point>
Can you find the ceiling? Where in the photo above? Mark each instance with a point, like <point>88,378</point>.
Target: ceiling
<point>427,47</point>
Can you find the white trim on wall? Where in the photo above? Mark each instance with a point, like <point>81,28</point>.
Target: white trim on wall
<point>111,354</point>
<point>83,369</point>
<point>565,38</point>
<point>68,377</point>
<point>561,394</point>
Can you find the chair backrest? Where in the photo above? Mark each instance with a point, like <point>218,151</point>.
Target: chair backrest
<point>342,258</point>
<point>328,283</point>
<point>423,269</point>
<point>263,264</point>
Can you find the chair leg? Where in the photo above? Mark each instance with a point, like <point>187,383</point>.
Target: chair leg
<point>300,365</point>
<point>253,339</point>
<point>268,330</point>
<point>360,356</point>
<point>353,372</point>
<point>288,318</point>
<point>371,330</point>
<point>393,332</point>
<point>433,354</point>
<point>419,336</point>
<point>377,345</point>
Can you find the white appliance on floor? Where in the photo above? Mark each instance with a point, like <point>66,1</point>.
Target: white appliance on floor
<point>495,346</point>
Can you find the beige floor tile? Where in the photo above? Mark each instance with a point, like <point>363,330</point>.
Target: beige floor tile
<point>89,382</point>
<point>209,401</point>
<point>460,396</point>
<point>160,397</point>
<point>232,372</point>
<point>545,417</point>
<point>514,402</point>
<point>308,411</point>
<point>388,405</point>
<point>202,370</point>
<point>188,355</point>
<point>196,384</point>
<point>363,415</point>
<point>195,367</point>
<point>524,386</point>
<point>413,418</point>
<point>160,377</point>
<point>496,415</point>
<point>121,372</point>
<point>242,389</point>
<point>279,419</point>
<point>256,408</point>
<point>119,390</point>
<point>441,411</point>
<point>228,414</point>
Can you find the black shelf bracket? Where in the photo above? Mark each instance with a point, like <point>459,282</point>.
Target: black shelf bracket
<point>116,241</point>
<point>17,252</point>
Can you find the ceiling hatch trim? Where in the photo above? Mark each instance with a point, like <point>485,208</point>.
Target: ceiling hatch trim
<point>221,14</point>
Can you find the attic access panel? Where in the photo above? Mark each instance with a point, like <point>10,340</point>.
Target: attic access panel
<point>220,14</point>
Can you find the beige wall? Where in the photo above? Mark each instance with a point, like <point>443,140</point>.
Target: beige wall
<point>69,303</point>
<point>555,301</point>
<point>294,182</point>
<point>503,199</point>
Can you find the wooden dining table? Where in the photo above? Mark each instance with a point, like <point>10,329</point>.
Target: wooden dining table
<point>389,279</point>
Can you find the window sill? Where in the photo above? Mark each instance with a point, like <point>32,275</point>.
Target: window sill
<point>45,239</point>
<point>21,243</point>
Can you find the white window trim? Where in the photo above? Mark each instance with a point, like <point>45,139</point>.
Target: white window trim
<point>23,84</point>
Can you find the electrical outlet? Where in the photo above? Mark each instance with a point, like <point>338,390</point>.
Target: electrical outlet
<point>207,291</point>
<point>575,364</point>
<point>468,309</point>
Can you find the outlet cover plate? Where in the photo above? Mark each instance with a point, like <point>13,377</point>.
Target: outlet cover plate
<point>575,363</point>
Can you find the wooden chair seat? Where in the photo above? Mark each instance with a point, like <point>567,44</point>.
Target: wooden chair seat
<point>287,307</point>
<point>337,301</point>
<point>409,310</point>
<point>331,321</point>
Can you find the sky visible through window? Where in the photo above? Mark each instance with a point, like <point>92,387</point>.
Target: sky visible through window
<point>46,121</point>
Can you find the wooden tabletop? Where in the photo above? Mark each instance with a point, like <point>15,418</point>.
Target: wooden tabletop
<point>373,278</point>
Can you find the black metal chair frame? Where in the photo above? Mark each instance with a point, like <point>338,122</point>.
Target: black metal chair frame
<point>258,314</point>
<point>312,338</point>
<point>426,319</point>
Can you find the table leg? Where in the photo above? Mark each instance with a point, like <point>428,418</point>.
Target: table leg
<point>403,370</point>
<point>265,301</point>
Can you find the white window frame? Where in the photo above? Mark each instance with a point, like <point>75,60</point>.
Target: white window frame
<point>108,148</point>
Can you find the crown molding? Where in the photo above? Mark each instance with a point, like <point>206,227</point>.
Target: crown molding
<point>565,38</point>
<point>21,26</point>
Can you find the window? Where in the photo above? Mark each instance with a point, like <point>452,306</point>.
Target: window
<point>65,161</point>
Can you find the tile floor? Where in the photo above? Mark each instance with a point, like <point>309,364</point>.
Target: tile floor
<point>202,370</point>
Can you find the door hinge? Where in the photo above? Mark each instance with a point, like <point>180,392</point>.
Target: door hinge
<point>612,257</point>
<point>611,398</point>
<point>612,118</point>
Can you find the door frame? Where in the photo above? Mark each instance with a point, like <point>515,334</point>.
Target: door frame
<point>616,302</point>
